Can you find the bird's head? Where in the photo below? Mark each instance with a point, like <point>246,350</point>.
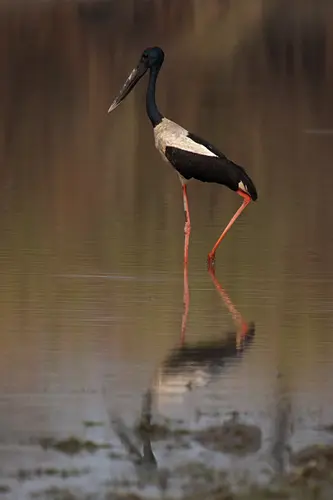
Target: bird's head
<point>152,57</point>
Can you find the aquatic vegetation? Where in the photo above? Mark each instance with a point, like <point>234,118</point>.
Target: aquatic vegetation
<point>29,474</point>
<point>231,437</point>
<point>72,445</point>
<point>159,431</point>
<point>93,423</point>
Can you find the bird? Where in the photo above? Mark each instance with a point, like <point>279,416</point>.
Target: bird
<point>191,156</point>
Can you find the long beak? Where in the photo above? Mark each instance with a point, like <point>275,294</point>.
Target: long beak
<point>129,85</point>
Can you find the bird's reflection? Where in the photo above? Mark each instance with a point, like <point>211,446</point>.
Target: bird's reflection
<point>242,327</point>
<point>191,365</point>
<point>186,300</point>
<point>187,366</point>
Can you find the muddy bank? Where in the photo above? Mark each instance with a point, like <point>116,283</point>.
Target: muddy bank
<point>310,477</point>
<point>308,473</point>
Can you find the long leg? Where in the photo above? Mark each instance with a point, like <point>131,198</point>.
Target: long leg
<point>186,300</point>
<point>241,324</point>
<point>187,227</point>
<point>247,199</point>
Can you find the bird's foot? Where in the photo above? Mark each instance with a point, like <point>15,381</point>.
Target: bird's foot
<point>211,261</point>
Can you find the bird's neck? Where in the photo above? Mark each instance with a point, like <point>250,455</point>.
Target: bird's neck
<point>153,113</point>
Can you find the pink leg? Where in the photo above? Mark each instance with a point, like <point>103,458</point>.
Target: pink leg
<point>187,228</point>
<point>186,300</point>
<point>247,199</point>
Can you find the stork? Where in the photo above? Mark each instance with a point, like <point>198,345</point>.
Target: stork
<point>191,156</point>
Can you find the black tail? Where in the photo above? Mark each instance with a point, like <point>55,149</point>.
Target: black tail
<point>248,183</point>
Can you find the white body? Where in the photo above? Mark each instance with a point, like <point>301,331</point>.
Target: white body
<point>169,133</point>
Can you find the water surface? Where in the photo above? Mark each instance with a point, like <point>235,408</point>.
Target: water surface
<point>91,247</point>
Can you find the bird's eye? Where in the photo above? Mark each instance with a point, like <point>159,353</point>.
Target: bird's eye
<point>144,56</point>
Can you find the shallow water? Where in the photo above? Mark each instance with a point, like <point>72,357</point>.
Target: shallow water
<point>91,247</point>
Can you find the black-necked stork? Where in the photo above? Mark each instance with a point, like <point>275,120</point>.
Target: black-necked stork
<point>191,156</point>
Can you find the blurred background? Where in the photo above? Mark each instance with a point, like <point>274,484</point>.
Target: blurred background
<point>91,228</point>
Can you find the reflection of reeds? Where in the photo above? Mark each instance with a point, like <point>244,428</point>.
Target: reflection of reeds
<point>141,455</point>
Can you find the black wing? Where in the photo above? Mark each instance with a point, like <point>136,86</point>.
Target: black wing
<point>207,145</point>
<point>214,352</point>
<point>209,169</point>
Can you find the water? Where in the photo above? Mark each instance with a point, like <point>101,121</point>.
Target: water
<point>91,247</point>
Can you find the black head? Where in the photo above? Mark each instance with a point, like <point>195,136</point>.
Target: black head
<point>151,58</point>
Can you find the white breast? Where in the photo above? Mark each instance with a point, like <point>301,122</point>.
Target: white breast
<point>169,133</point>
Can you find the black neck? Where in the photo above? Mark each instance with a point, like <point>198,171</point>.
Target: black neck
<point>153,113</point>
